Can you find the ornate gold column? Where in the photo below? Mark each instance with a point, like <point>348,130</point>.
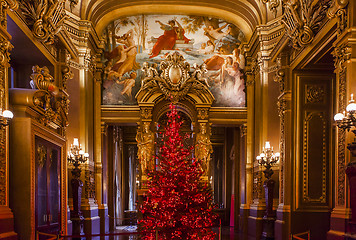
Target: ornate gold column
<point>282,224</point>
<point>253,74</point>
<point>345,64</point>
<point>6,215</point>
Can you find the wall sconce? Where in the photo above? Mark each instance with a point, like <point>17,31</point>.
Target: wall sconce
<point>5,117</point>
<point>76,156</point>
<point>346,121</point>
<point>267,158</point>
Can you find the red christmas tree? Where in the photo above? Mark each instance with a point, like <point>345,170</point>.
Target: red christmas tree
<point>178,204</point>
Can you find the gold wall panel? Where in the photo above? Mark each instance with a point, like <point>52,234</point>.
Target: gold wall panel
<point>313,151</point>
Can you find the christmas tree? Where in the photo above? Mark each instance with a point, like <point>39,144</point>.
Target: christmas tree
<point>178,204</point>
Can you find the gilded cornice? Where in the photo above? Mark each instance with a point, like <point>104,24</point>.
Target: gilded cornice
<point>82,32</point>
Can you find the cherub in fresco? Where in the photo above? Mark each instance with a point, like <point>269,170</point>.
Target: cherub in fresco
<point>128,84</point>
<point>126,55</point>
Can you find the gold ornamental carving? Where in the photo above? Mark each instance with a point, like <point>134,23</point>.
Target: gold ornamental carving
<point>52,101</point>
<point>145,147</point>
<point>175,82</point>
<point>273,5</point>
<point>203,113</point>
<point>4,6</point>
<point>341,55</point>
<point>302,20</point>
<point>338,9</point>
<point>314,93</point>
<point>146,112</point>
<point>203,148</point>
<point>41,155</point>
<point>45,17</point>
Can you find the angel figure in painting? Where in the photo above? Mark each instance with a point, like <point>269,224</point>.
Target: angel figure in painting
<point>145,144</point>
<point>203,148</point>
<point>126,54</point>
<point>172,32</point>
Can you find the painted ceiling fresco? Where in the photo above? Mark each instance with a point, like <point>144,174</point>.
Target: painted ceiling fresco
<point>131,41</point>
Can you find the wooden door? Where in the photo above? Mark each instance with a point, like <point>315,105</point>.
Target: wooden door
<point>48,185</point>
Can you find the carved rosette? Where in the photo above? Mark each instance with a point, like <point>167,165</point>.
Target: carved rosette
<point>146,113</point>
<point>45,18</point>
<point>314,94</point>
<point>203,113</point>
<point>302,20</point>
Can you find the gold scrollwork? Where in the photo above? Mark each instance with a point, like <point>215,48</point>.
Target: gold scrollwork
<point>273,5</point>
<point>175,81</point>
<point>303,20</point>
<point>53,101</point>
<point>46,17</point>
<point>338,9</point>
<point>341,55</point>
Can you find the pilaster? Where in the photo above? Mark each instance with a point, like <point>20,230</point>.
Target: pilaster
<point>6,215</point>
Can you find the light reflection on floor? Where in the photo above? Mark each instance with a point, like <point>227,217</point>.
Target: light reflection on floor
<point>228,233</point>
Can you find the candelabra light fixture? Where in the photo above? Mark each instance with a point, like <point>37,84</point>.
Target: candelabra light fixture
<point>267,159</point>
<point>5,117</point>
<point>76,156</point>
<point>347,120</point>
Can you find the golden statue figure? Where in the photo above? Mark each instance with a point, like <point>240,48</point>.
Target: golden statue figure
<point>203,148</point>
<point>145,145</point>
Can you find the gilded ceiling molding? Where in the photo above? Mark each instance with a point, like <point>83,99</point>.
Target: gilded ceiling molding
<point>302,20</point>
<point>45,17</point>
<point>273,5</point>
<point>338,9</point>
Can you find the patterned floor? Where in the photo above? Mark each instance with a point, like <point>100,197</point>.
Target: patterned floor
<point>227,234</point>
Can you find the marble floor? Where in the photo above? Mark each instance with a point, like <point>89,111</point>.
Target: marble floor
<point>228,233</point>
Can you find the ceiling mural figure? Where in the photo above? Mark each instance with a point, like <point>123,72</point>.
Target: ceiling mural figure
<point>137,44</point>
